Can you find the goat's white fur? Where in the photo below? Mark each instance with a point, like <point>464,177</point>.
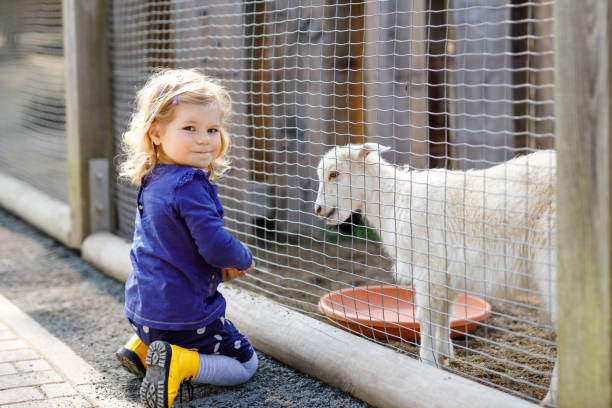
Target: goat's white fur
<point>487,232</point>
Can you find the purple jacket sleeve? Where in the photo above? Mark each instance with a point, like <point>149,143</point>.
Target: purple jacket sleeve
<point>204,221</point>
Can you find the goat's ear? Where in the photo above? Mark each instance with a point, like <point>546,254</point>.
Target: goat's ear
<point>368,148</point>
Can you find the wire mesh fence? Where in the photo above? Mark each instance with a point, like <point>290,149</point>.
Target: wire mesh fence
<point>32,126</point>
<point>454,88</point>
<point>454,85</point>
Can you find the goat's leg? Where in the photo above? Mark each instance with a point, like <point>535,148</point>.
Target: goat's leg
<point>444,345</point>
<point>432,314</point>
<point>551,397</point>
<point>545,271</point>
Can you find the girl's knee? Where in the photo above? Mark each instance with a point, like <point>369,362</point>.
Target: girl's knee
<point>250,366</point>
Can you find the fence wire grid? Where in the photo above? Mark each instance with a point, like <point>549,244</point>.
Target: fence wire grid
<point>447,85</point>
<point>454,88</point>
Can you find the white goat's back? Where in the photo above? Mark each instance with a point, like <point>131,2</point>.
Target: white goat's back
<point>488,231</point>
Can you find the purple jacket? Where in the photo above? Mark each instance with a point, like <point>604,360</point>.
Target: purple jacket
<point>179,249</point>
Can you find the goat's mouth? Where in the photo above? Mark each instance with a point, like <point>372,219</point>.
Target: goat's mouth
<point>332,222</point>
<point>333,218</point>
<point>328,216</point>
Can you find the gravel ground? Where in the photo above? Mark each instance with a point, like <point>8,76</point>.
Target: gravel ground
<point>83,308</point>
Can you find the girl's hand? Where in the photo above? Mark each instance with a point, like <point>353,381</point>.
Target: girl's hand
<point>233,273</point>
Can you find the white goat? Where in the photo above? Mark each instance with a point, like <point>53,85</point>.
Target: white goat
<point>485,232</point>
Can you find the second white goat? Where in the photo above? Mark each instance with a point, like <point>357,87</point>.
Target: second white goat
<point>486,232</point>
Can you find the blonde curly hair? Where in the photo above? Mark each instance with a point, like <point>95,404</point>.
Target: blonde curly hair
<point>157,101</point>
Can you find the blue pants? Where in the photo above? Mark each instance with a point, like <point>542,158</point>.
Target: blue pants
<point>219,337</point>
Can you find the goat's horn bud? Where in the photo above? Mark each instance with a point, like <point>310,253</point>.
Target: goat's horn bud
<point>374,147</point>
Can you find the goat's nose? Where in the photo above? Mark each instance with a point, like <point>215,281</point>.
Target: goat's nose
<point>318,209</point>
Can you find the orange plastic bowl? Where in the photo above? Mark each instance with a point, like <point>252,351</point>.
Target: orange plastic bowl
<point>389,312</point>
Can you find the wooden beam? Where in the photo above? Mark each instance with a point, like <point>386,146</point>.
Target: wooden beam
<point>39,209</point>
<point>88,117</point>
<point>582,105</point>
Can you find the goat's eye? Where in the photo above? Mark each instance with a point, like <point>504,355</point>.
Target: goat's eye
<point>333,175</point>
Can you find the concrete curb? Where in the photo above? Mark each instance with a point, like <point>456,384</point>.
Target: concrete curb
<point>53,375</point>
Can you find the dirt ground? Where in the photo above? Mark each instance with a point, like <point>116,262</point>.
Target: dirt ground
<point>510,351</point>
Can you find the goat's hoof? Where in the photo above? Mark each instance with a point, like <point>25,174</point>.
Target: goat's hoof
<point>548,401</point>
<point>429,359</point>
<point>444,361</point>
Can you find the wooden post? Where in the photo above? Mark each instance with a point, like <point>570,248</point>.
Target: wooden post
<point>160,35</point>
<point>412,43</point>
<point>542,79</point>
<point>88,117</point>
<point>395,59</point>
<point>261,93</point>
<point>356,77</point>
<point>582,104</point>
<point>520,28</point>
<point>438,68</point>
<point>482,110</point>
<point>344,64</point>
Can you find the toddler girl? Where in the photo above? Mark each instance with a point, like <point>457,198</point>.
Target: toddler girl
<point>175,146</point>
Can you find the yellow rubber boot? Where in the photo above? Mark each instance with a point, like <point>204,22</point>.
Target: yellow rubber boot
<point>168,366</point>
<point>132,356</point>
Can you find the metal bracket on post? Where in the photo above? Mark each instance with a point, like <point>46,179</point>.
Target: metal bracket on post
<point>99,195</point>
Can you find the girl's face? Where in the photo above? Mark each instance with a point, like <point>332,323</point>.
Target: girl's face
<point>192,138</point>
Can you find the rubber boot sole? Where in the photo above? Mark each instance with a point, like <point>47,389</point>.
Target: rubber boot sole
<point>154,387</point>
<point>130,362</point>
